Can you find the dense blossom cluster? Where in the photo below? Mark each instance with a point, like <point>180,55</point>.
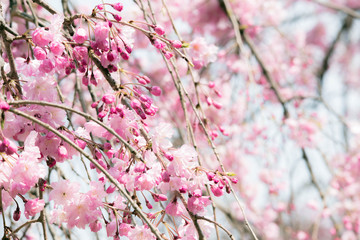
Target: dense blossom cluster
<point>159,119</point>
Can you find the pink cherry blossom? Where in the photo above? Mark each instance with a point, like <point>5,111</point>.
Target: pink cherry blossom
<point>33,206</point>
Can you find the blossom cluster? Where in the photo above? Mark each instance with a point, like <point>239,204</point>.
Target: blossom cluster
<point>161,119</point>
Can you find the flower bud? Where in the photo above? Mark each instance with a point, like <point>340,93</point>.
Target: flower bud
<point>108,98</point>
<point>176,43</point>
<point>118,6</point>
<point>11,148</point>
<point>159,30</point>
<point>80,35</point>
<point>62,151</point>
<point>57,48</point>
<point>4,106</point>
<point>85,80</point>
<point>17,214</point>
<point>117,17</point>
<point>197,193</point>
<point>39,53</point>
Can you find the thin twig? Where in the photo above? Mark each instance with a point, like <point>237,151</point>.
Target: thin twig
<point>350,12</point>
<point>318,188</point>
<point>325,63</point>
<point>218,224</point>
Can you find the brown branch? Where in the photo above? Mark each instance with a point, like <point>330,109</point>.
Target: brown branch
<point>219,225</point>
<point>318,188</point>
<point>349,11</point>
<point>225,5</point>
<point>45,5</point>
<point>7,45</point>
<point>325,64</point>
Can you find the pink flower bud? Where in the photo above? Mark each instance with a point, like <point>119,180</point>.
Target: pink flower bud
<point>50,162</point>
<point>211,84</point>
<point>216,191</point>
<point>148,205</point>
<point>94,104</point>
<point>197,193</point>
<point>42,184</point>
<point>113,110</point>
<point>217,105</point>
<point>209,101</point>
<point>124,55</point>
<point>108,98</point>
<point>17,214</point>
<point>102,114</point>
<point>80,35</point>
<point>46,66</point>
<point>165,176</point>
<point>213,134</point>
<point>11,148</point>
<point>101,31</point>
<point>140,167</point>
<point>41,37</point>
<point>198,64</point>
<point>151,111</point>
<point>159,197</point>
<point>234,180</point>
<point>100,7</point>
<point>140,80</point>
<point>168,156</point>
<point>93,80</point>
<point>3,147</point>
<point>4,106</point>
<point>158,44</point>
<point>110,189</point>
<point>57,48</point>
<point>62,151</point>
<point>128,48</point>
<point>159,30</point>
<point>34,206</point>
<point>176,44</point>
<point>80,143</point>
<point>85,80</point>
<point>183,189</point>
<point>118,6</point>
<point>147,79</point>
<point>95,226</point>
<point>168,54</point>
<point>111,56</point>
<point>135,103</point>
<point>218,93</point>
<point>112,68</point>
<point>39,53</point>
<point>117,17</point>
<point>210,175</point>
<point>156,91</point>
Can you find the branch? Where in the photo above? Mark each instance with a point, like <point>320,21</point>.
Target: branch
<point>350,12</point>
<point>45,5</point>
<point>219,225</point>
<point>7,44</point>
<point>225,5</point>
<point>325,64</point>
<point>318,188</point>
